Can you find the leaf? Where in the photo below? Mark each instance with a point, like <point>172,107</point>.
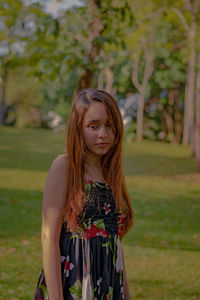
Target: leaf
<point>76,290</point>
<point>44,289</point>
<point>105,244</point>
<point>111,293</point>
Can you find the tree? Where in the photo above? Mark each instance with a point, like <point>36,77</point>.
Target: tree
<point>87,51</point>
<point>105,15</point>
<point>16,29</point>
<point>188,12</point>
<point>142,43</point>
<point>9,45</point>
<point>197,116</point>
<point>168,80</point>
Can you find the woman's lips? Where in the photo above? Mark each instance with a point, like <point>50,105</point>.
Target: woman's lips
<point>102,144</point>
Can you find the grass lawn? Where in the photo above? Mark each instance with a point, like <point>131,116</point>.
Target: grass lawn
<point>162,251</point>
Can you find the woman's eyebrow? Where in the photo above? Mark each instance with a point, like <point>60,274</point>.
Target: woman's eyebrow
<point>93,121</point>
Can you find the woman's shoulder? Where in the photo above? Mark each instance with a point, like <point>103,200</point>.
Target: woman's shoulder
<point>59,165</point>
<point>61,158</point>
<point>56,185</point>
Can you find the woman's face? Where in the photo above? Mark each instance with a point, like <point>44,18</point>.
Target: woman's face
<point>98,133</point>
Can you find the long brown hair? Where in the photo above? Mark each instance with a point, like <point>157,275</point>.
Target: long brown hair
<point>111,162</point>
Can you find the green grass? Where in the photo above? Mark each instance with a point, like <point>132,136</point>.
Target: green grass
<point>162,250</point>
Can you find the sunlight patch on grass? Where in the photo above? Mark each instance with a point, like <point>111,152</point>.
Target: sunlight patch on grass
<point>22,179</point>
<point>160,273</point>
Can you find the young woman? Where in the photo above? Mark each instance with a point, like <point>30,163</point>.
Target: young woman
<point>86,207</point>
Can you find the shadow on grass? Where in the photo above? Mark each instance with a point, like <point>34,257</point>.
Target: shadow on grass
<point>26,160</point>
<point>169,287</point>
<point>146,164</point>
<point>20,212</point>
<point>160,245</point>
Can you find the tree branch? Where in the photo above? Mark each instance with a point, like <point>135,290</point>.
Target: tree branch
<point>80,38</point>
<point>148,66</point>
<point>135,73</point>
<point>189,5</point>
<point>196,6</point>
<point>182,18</point>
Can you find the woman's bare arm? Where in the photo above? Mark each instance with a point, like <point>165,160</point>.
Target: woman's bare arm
<point>54,199</point>
<point>126,288</point>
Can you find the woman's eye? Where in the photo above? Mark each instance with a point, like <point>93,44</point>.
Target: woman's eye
<point>93,126</point>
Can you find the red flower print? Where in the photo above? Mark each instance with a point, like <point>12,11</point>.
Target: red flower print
<point>121,218</point>
<point>87,269</point>
<point>68,266</point>
<point>119,230</point>
<point>89,181</point>
<point>120,222</point>
<point>107,296</point>
<point>107,208</point>
<point>102,232</point>
<point>93,231</point>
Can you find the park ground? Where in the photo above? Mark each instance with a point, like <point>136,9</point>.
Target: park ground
<point>162,250</point>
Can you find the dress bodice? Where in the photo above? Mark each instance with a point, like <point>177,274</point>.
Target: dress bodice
<point>99,215</point>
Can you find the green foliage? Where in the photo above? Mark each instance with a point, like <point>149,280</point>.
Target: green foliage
<point>151,130</point>
<point>57,49</point>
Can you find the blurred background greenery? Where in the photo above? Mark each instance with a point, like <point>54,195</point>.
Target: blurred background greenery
<point>147,55</point>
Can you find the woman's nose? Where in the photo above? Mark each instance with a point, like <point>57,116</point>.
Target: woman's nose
<point>103,131</point>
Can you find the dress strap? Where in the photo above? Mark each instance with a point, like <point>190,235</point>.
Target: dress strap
<point>63,153</point>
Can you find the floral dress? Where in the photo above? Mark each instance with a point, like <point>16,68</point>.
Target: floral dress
<point>91,258</point>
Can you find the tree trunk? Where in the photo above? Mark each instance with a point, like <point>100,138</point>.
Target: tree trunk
<point>95,30</point>
<point>197,118</point>
<point>109,80</point>
<point>169,124</point>
<point>190,88</point>
<point>177,119</point>
<point>84,81</point>
<point>160,108</point>
<point>3,95</point>
<point>140,114</point>
<point>100,80</point>
<point>148,55</point>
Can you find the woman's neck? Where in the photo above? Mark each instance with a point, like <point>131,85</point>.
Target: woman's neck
<point>93,172</point>
<point>93,161</point>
